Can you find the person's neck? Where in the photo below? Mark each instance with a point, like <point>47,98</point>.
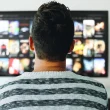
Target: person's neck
<point>44,65</point>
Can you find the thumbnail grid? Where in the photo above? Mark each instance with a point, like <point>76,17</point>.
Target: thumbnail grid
<point>89,28</point>
<point>15,54</point>
<point>89,56</point>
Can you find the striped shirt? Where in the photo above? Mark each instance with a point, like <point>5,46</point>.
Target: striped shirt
<point>53,91</point>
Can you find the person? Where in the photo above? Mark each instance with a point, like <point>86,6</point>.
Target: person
<point>50,86</point>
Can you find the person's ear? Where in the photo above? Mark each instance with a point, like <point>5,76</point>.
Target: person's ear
<point>72,46</point>
<point>31,43</point>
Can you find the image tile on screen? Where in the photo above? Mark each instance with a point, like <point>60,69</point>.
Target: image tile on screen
<point>24,29</point>
<point>14,66</point>
<point>99,66</point>
<point>88,48</point>
<point>78,47</point>
<point>24,65</point>
<point>30,27</point>
<point>99,47</point>
<point>69,63</point>
<point>99,28</point>
<point>88,66</point>
<point>14,48</point>
<point>13,28</point>
<point>89,30</point>
<point>4,47</point>
<point>4,27</point>
<point>24,48</point>
<point>78,29</point>
<point>77,65</point>
<point>4,64</point>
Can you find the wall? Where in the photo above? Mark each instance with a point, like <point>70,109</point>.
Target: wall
<point>25,5</point>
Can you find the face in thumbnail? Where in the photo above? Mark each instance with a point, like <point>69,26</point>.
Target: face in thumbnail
<point>77,65</point>
<point>14,66</point>
<point>99,66</point>
<point>4,26</point>
<point>14,28</point>
<point>4,47</point>
<point>13,47</point>
<point>78,47</point>
<point>88,65</point>
<point>78,29</point>
<point>99,46</point>
<point>24,29</point>
<point>69,64</point>
<point>4,64</point>
<point>24,48</point>
<point>88,48</point>
<point>24,65</point>
<point>100,26</point>
<point>89,30</point>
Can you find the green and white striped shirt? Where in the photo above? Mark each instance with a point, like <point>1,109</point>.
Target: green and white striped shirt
<point>53,91</point>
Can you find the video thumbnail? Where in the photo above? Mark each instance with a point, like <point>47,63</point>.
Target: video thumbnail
<point>13,47</point>
<point>88,48</point>
<point>89,30</point>
<point>14,66</point>
<point>4,47</point>
<point>77,65</point>
<point>99,27</point>
<point>78,29</point>
<point>78,47</point>
<point>24,65</point>
<point>13,28</point>
<point>30,27</point>
<point>88,66</point>
<point>4,64</point>
<point>69,63</point>
<point>24,48</point>
<point>4,26</point>
<point>24,29</point>
<point>99,46</point>
<point>99,66</point>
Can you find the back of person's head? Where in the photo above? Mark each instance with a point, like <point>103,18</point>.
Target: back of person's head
<point>52,31</point>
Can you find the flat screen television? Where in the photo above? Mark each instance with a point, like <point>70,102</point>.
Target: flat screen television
<point>89,56</point>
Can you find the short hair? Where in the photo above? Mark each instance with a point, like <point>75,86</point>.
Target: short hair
<point>52,31</point>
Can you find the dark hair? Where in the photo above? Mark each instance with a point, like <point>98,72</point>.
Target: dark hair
<point>52,31</point>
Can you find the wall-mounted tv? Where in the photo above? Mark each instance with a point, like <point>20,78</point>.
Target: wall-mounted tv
<point>89,56</point>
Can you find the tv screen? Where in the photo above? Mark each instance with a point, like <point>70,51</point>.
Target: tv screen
<point>89,56</point>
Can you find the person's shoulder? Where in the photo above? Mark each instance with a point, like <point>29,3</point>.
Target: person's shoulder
<point>8,83</point>
<point>11,82</point>
<point>95,88</point>
<point>85,80</point>
<point>94,84</point>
